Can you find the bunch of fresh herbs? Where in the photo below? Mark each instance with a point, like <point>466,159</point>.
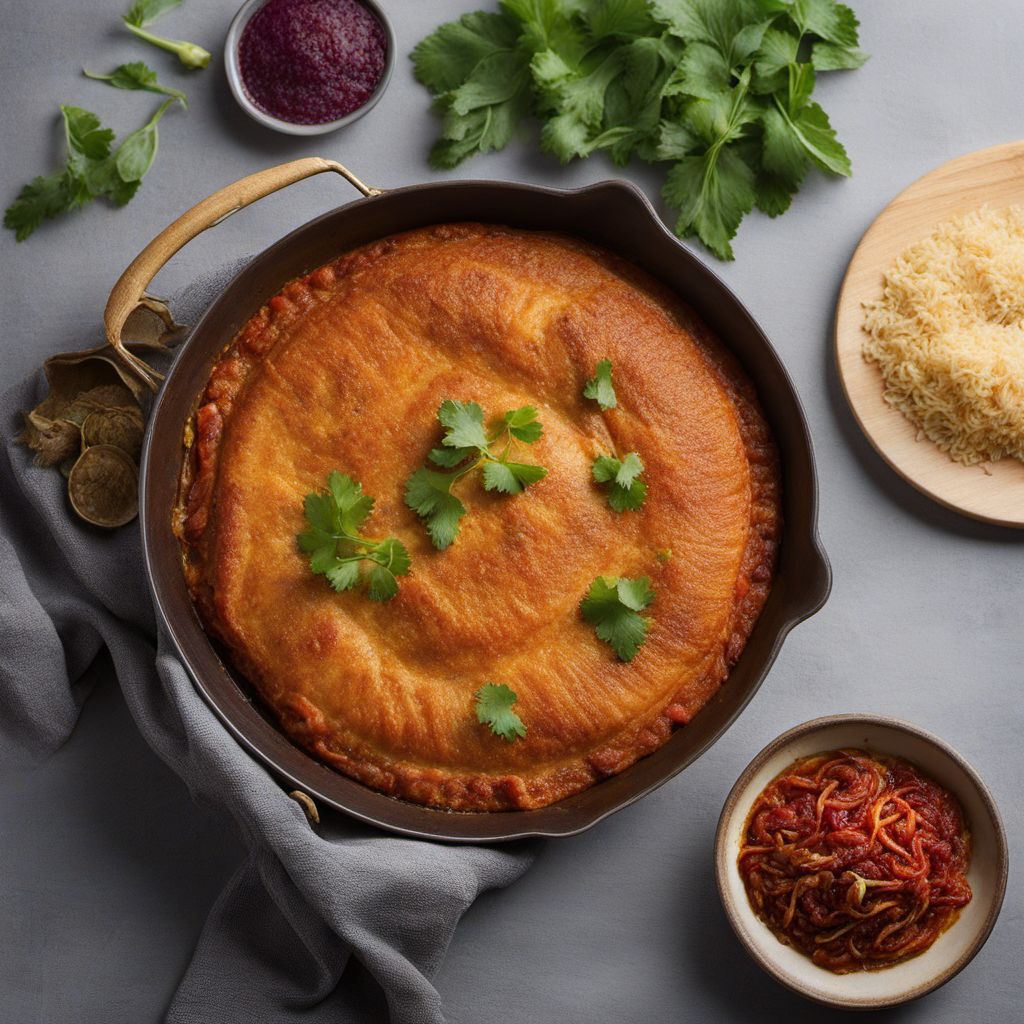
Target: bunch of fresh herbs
<point>721,89</point>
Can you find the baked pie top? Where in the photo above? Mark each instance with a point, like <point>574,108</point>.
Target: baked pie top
<point>345,369</point>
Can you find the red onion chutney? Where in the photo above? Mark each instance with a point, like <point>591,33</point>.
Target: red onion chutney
<point>312,61</point>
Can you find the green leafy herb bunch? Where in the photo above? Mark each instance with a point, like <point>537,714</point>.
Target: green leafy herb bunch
<point>721,90</point>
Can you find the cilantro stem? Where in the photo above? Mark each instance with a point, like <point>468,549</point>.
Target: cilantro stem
<point>716,147</point>
<point>190,54</point>
<point>459,473</point>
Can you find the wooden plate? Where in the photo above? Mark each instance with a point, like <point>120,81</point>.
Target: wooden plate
<point>992,492</point>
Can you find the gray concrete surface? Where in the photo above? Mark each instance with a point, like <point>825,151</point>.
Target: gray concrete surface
<point>106,866</point>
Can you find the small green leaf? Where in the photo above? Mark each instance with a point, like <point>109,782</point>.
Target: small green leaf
<point>335,547</point>
<point>323,557</point>
<point>137,76</point>
<point>627,493</point>
<point>449,458</point>
<point>511,477</point>
<point>480,76</point>
<point>605,468</point>
<point>801,85</point>
<point>613,607</point>
<point>771,62</point>
<point>465,424</point>
<point>350,506</point>
<point>382,584</point>
<point>833,57</point>
<point>143,12</point>
<point>429,495</point>
<point>135,155</point>
<point>392,555</point>
<point>704,72</point>
<point>832,21</point>
<point>635,594</point>
<point>41,199</point>
<point>600,388</point>
<point>342,574</point>
<point>87,140</point>
<point>629,497</point>
<point>523,424</point>
<point>319,509</point>
<point>494,704</point>
<point>630,468</point>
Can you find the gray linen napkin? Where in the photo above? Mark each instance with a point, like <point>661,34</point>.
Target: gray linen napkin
<point>303,905</point>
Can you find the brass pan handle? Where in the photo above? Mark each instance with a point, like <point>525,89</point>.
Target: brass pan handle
<point>132,284</point>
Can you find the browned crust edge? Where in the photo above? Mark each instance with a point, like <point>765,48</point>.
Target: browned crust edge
<point>303,722</point>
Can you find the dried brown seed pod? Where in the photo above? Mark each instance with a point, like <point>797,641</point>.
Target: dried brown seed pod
<point>103,486</point>
<point>122,428</point>
<point>52,428</point>
<point>53,441</point>
<point>150,323</point>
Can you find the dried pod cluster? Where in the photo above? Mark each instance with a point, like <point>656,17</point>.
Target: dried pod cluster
<point>91,424</point>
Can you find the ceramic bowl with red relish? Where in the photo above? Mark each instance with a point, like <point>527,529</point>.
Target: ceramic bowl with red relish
<point>861,861</point>
<point>306,67</point>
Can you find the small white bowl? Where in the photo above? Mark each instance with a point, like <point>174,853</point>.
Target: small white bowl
<point>953,949</point>
<point>234,36</point>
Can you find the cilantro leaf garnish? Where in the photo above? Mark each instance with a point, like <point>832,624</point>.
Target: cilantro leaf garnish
<point>627,492</point>
<point>429,495</point>
<point>336,548</point>
<point>467,446</point>
<point>600,388</point>
<point>494,708</point>
<point>523,424</point>
<point>464,425</point>
<point>613,606</point>
<point>722,89</point>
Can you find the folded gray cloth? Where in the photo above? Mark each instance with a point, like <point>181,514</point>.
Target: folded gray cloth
<point>305,907</point>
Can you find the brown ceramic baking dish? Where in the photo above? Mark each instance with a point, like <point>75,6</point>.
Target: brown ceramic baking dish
<point>613,214</point>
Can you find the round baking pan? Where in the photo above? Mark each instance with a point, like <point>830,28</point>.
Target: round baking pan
<point>613,214</point>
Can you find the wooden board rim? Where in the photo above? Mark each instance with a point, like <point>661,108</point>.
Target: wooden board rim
<point>994,175</point>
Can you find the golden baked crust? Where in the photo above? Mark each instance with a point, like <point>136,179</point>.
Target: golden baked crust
<point>345,369</point>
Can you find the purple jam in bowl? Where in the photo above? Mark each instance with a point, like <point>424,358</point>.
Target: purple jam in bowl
<point>312,61</point>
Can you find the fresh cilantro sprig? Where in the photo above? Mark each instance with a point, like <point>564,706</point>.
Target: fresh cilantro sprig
<point>338,550</point>
<point>144,12</point>
<point>627,492</point>
<point>720,89</point>
<point>137,76</point>
<point>494,708</point>
<point>92,170</point>
<point>467,446</point>
<point>600,388</point>
<point>613,606</point>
